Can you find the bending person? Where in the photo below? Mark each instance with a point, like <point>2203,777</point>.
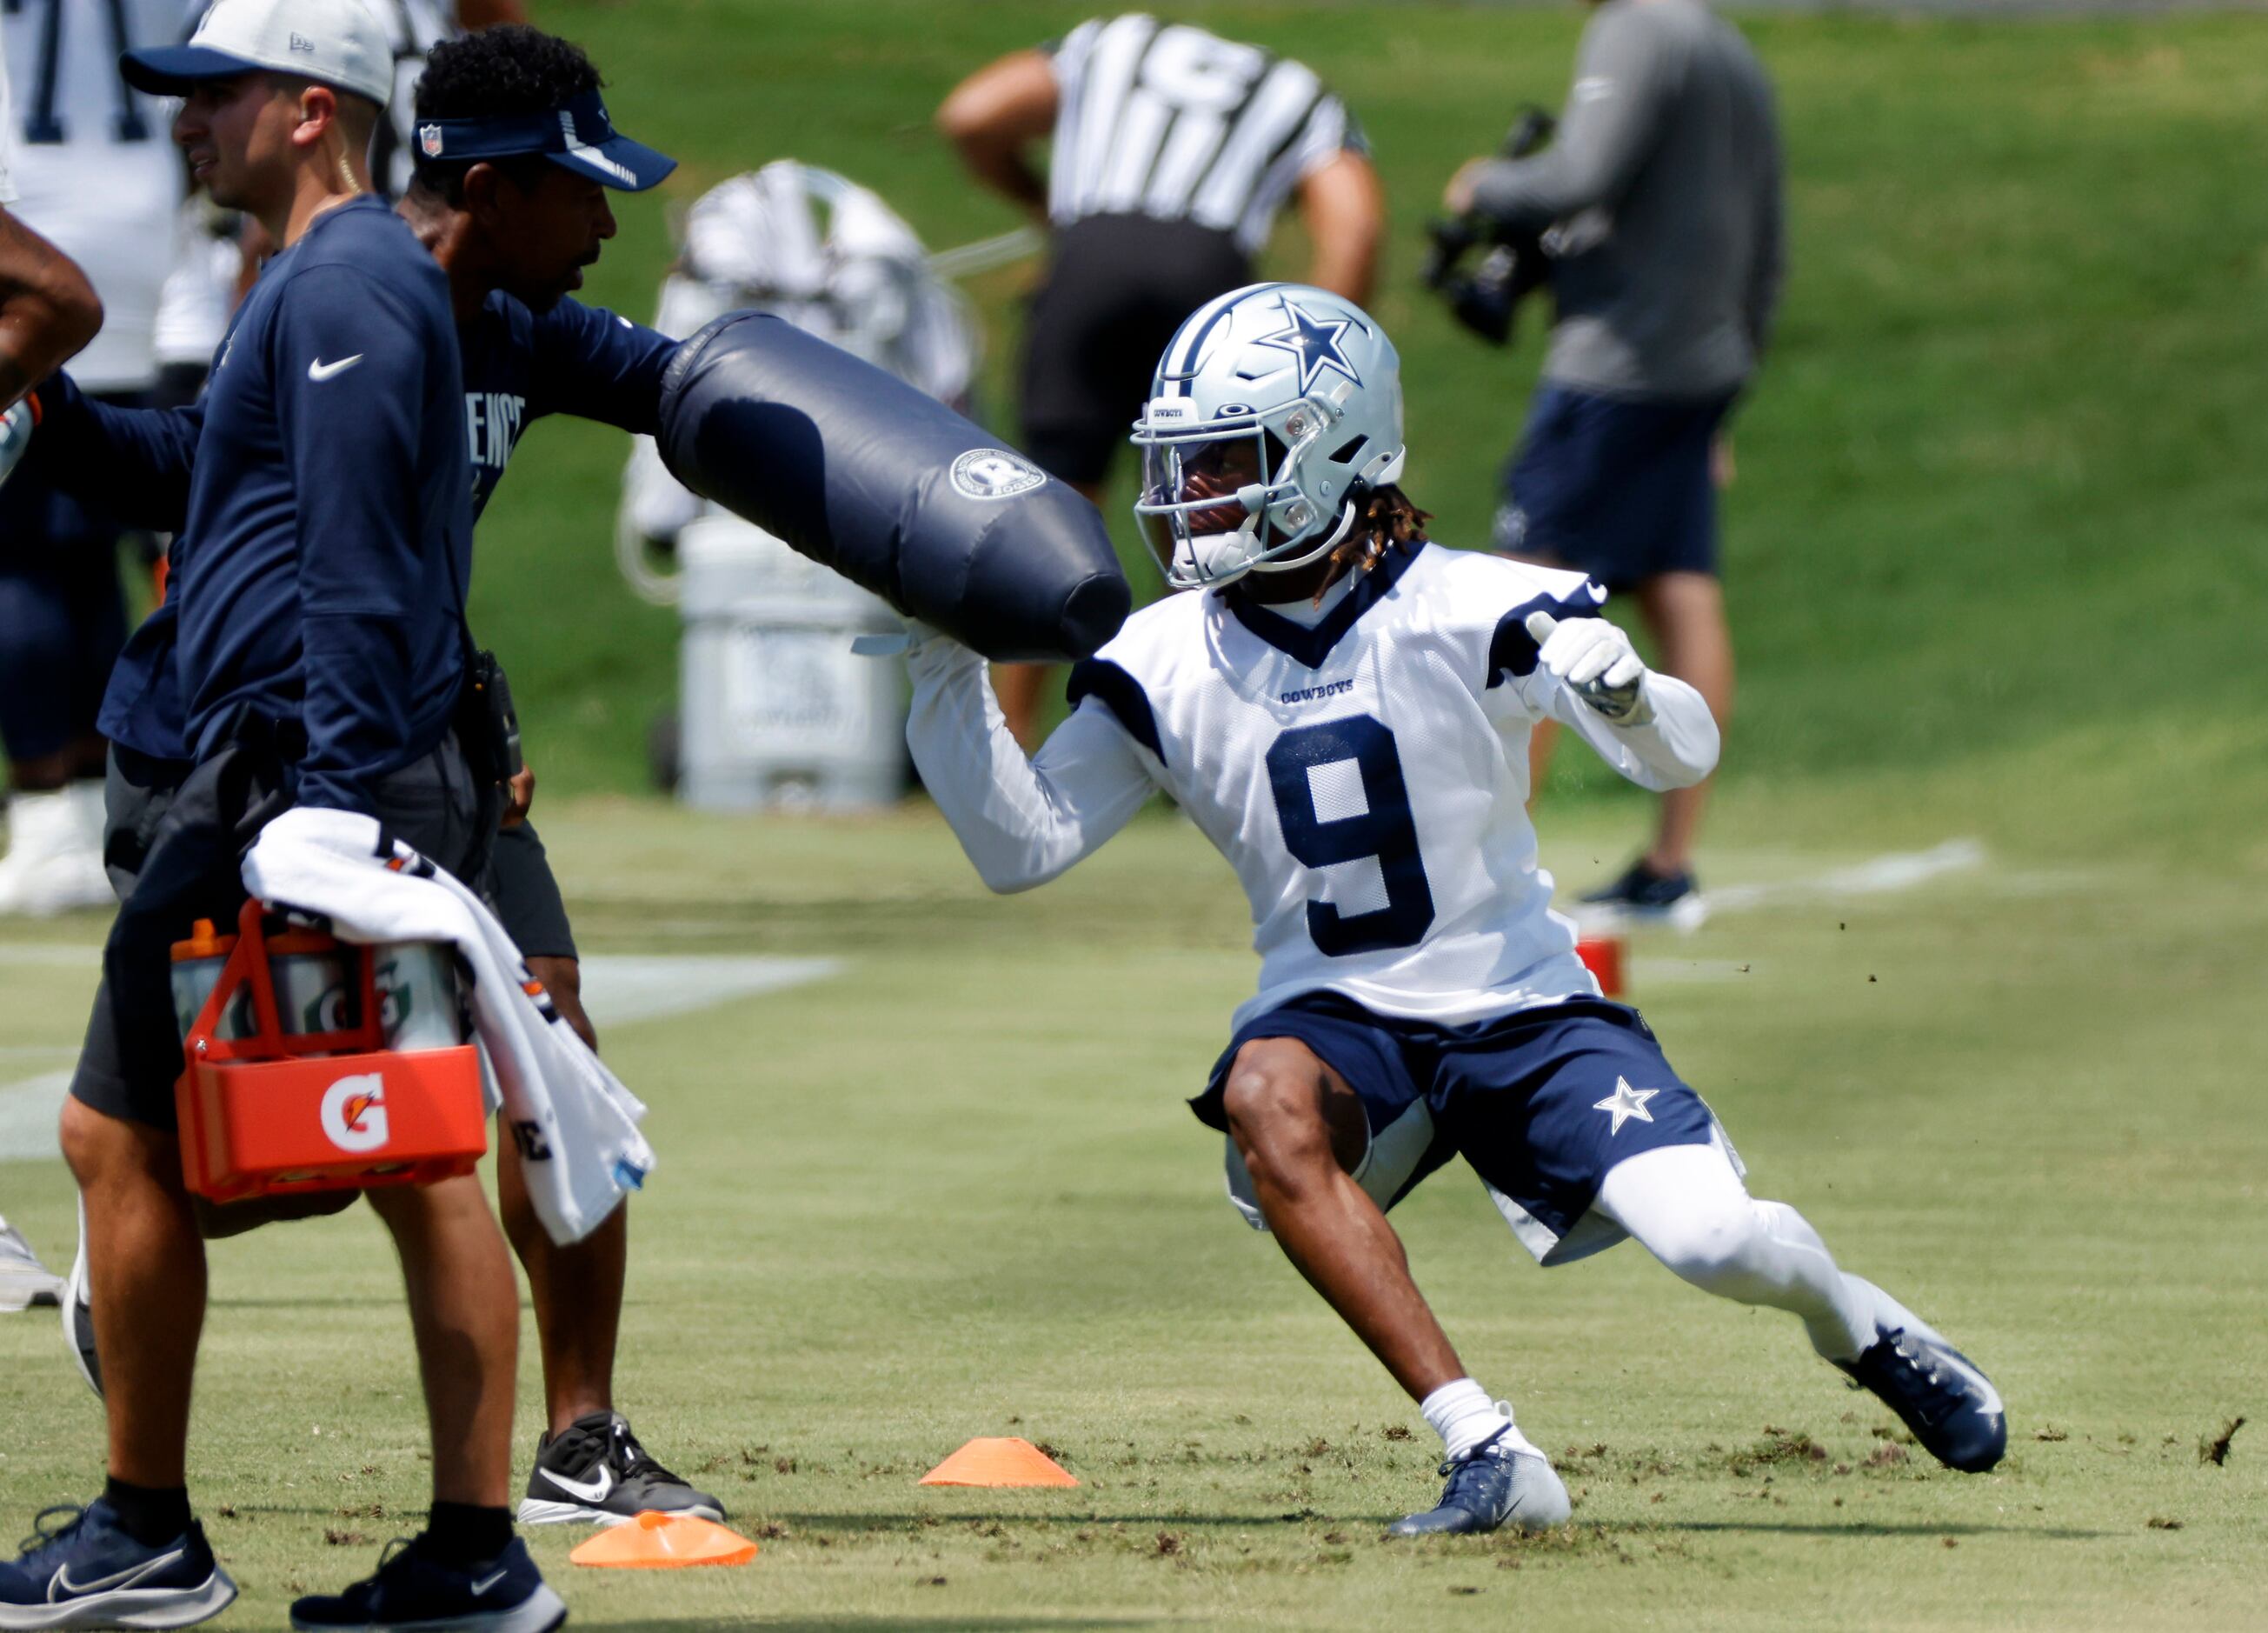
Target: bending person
<point>1343,709</point>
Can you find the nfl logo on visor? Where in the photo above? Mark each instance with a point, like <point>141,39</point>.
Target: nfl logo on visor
<point>429,140</point>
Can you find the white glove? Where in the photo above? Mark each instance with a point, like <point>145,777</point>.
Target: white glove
<point>15,435</point>
<point>1595,659</point>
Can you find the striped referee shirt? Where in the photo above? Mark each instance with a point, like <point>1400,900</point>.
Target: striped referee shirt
<point>1168,121</point>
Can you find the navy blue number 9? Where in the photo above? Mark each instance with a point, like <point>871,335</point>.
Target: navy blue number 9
<point>43,124</point>
<point>1384,831</point>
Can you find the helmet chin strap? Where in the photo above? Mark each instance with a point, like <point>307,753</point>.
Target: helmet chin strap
<point>1346,527</point>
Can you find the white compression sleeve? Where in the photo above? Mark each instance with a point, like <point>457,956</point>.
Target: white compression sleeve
<point>1675,749</point>
<point>1684,1205</point>
<point>1022,820</point>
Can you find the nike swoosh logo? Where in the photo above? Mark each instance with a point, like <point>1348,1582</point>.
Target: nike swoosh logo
<point>589,1491</point>
<point>63,1586</point>
<point>486,1583</point>
<point>320,371</point>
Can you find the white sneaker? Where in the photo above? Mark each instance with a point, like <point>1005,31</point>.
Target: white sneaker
<point>23,1280</point>
<point>55,853</point>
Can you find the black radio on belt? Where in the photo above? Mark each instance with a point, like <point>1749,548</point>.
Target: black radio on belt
<point>493,718</point>
<point>1484,298</point>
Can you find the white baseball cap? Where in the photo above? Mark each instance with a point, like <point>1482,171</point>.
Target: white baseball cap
<point>339,43</point>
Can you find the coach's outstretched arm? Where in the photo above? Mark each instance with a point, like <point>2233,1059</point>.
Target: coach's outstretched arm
<point>1652,727</point>
<point>1021,820</point>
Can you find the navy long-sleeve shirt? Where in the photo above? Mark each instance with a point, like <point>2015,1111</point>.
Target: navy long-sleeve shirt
<point>519,366</point>
<point>322,568</point>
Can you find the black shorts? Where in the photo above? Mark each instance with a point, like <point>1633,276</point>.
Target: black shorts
<point>1618,488</point>
<point>1117,287</point>
<point>431,804</point>
<point>524,894</point>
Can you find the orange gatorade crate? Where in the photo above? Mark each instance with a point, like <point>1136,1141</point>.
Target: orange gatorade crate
<point>288,1082</point>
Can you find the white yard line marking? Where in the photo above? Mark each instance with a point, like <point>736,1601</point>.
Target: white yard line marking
<point>620,988</point>
<point>54,954</point>
<point>28,1111</point>
<point>1880,876</point>
<point>1900,871</point>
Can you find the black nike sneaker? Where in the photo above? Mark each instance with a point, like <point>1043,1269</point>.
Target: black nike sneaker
<point>1938,1392</point>
<point>415,1592</point>
<point>595,1472</point>
<point>1642,893</point>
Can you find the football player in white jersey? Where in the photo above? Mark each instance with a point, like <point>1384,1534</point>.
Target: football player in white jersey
<point>1344,710</point>
<point>48,312</point>
<point>95,175</point>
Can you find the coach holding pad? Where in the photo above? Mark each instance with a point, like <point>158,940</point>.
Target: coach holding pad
<point>1662,197</point>
<point>516,160</point>
<point>320,579</point>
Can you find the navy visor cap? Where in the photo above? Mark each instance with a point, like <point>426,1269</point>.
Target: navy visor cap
<point>579,138</point>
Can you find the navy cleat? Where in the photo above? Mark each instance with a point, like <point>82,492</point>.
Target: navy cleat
<point>87,1573</point>
<point>414,1590</point>
<point>1492,1486</point>
<point>1938,1392</point>
<point>594,1472</point>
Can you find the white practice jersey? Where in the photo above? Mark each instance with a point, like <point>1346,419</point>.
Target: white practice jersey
<point>415,27</point>
<point>95,168</point>
<point>1168,121</point>
<point>7,131</point>
<point>1366,773</point>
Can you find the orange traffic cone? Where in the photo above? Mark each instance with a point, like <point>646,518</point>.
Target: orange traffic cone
<point>998,1461</point>
<point>1603,956</point>
<point>664,1542</point>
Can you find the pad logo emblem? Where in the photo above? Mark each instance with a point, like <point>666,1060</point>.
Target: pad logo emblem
<point>354,1112</point>
<point>429,140</point>
<point>995,473</point>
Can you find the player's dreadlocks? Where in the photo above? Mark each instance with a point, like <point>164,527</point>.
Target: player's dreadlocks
<point>1388,520</point>
<point>507,69</point>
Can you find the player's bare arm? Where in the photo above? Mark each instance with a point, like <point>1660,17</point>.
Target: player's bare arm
<point>992,118</point>
<point>1343,206</point>
<point>48,310</point>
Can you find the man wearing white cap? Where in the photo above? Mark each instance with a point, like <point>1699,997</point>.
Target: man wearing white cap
<point>319,580</point>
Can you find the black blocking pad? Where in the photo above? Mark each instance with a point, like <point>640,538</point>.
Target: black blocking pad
<point>858,470</point>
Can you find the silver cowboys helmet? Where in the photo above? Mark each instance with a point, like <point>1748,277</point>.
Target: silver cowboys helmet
<point>1275,412</point>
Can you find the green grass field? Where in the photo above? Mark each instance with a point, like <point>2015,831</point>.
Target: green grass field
<point>1997,536</point>
<point>951,1191</point>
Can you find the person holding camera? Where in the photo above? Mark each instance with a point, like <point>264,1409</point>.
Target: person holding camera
<point>1659,206</point>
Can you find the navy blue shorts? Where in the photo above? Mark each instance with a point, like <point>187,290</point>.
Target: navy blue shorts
<point>1540,1103</point>
<point>1616,488</point>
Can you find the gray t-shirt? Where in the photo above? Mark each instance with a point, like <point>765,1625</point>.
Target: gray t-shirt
<point>1662,192</point>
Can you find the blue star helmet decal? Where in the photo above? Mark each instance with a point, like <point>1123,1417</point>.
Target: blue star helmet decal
<point>1315,342</point>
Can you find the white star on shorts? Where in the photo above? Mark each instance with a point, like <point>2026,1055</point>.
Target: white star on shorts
<point>1624,1104</point>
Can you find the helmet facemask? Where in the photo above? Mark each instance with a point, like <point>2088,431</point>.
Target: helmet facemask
<point>1223,497</point>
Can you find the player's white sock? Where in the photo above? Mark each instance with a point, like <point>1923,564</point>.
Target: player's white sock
<point>1463,1414</point>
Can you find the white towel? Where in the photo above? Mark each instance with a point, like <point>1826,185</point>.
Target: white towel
<point>576,1124</point>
